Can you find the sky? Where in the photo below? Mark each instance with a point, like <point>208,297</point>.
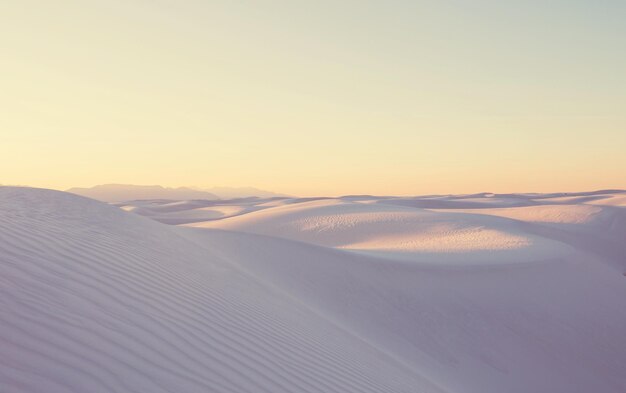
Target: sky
<point>315,97</point>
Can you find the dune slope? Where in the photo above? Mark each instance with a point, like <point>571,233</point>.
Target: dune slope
<point>481,294</point>
<point>551,325</point>
<point>95,299</point>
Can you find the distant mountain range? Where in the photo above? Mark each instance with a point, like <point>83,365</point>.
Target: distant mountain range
<point>128,192</point>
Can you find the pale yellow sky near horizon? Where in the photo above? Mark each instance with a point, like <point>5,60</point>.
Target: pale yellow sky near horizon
<point>315,98</point>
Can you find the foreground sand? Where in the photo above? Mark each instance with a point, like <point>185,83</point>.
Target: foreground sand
<point>479,293</point>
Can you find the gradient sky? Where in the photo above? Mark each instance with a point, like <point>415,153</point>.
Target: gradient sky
<point>315,97</point>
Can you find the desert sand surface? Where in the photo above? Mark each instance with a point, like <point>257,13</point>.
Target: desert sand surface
<point>464,293</point>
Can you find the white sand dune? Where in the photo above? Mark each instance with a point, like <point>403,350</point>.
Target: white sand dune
<point>94,299</point>
<point>449,229</point>
<point>396,231</point>
<point>543,326</point>
<point>183,212</point>
<point>479,293</point>
<point>611,200</point>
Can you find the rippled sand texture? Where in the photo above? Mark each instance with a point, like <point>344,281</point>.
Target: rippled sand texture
<point>479,293</point>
